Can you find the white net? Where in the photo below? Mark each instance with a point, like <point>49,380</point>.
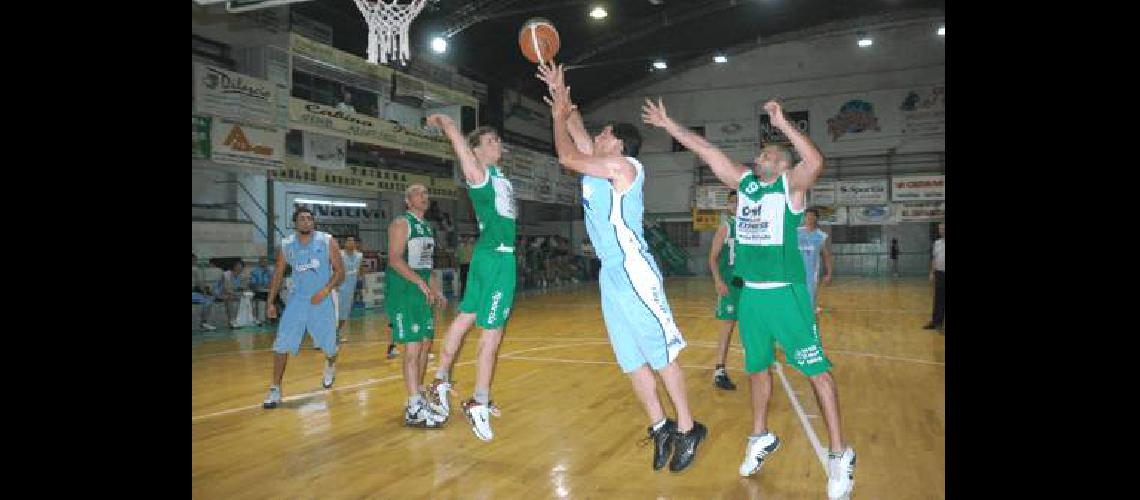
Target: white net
<point>388,24</point>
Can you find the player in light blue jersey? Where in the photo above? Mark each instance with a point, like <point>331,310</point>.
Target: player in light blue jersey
<point>642,332</point>
<point>353,261</point>
<point>314,257</point>
<point>813,246</point>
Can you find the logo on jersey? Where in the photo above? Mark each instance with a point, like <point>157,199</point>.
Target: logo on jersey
<point>751,188</point>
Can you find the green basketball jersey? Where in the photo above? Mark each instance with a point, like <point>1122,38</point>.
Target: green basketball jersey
<point>419,250</point>
<point>494,203</point>
<point>767,245</point>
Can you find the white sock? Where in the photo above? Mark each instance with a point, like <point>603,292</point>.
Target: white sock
<point>660,424</point>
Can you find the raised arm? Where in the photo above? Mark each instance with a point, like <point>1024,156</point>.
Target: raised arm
<point>473,171</point>
<point>555,77</point>
<point>803,176</point>
<point>729,172</point>
<point>606,167</point>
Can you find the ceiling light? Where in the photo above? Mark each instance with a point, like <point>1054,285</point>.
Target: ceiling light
<point>333,203</point>
<point>659,64</point>
<point>598,13</point>
<point>439,45</point>
<point>864,39</point>
<point>720,59</point>
<point>941,31</point>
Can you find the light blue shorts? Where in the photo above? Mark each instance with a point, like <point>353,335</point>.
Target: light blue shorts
<point>637,315</point>
<point>346,291</point>
<point>300,316</point>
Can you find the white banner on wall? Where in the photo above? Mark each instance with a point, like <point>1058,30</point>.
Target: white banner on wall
<point>918,188</point>
<point>246,145</point>
<point>712,197</point>
<point>924,211</point>
<point>823,193</point>
<point>739,136</point>
<point>232,95</point>
<point>869,215</point>
<point>863,192</point>
<point>323,151</point>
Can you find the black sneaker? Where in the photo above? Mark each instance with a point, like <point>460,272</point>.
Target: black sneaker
<point>662,442</point>
<point>721,380</point>
<point>685,446</point>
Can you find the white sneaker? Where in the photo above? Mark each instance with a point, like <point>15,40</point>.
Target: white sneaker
<point>757,451</point>
<point>422,416</point>
<point>273,399</point>
<point>841,473</point>
<point>207,326</point>
<point>437,397</point>
<point>329,375</point>
<point>234,324</point>
<point>479,415</point>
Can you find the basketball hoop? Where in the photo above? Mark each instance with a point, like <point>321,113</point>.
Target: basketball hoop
<point>388,24</point>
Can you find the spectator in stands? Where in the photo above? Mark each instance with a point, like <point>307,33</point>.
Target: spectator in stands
<point>345,103</point>
<point>895,256</point>
<point>259,283</point>
<point>201,294</point>
<point>228,291</point>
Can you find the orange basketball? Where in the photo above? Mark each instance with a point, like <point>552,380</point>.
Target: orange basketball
<point>539,40</point>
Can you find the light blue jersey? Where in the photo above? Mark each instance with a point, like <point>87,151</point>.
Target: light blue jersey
<point>637,315</point>
<point>312,268</point>
<point>811,247</point>
<point>348,288</point>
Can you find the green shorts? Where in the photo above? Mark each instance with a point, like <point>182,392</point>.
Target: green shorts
<point>785,315</point>
<point>490,288</point>
<point>408,310</point>
<point>726,305</point>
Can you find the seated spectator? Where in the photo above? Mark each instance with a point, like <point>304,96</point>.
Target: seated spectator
<point>259,283</point>
<point>228,289</point>
<point>201,294</point>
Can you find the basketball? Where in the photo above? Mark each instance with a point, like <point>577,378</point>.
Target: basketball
<point>538,40</point>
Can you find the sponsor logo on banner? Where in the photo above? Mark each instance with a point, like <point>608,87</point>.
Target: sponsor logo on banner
<point>329,214</point>
<point>325,152</point>
<point>313,117</point>
<point>363,178</point>
<point>920,211</point>
<point>832,216</point>
<point>823,193</point>
<point>918,188</point>
<point>862,192</point>
<point>769,134</point>
<point>924,111</point>
<point>869,215</point>
<point>247,145</point>
<point>200,145</point>
<point>855,116</point>
<point>232,95</point>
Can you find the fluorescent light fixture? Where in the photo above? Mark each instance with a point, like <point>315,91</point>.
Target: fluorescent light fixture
<point>941,31</point>
<point>598,13</point>
<point>333,203</point>
<point>439,45</point>
<point>719,59</point>
<point>865,41</point>
<point>659,64</point>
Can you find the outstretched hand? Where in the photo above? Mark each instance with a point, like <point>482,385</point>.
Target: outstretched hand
<point>654,113</point>
<point>559,102</point>
<point>440,120</point>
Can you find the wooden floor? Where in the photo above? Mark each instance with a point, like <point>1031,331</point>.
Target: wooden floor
<point>571,424</point>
